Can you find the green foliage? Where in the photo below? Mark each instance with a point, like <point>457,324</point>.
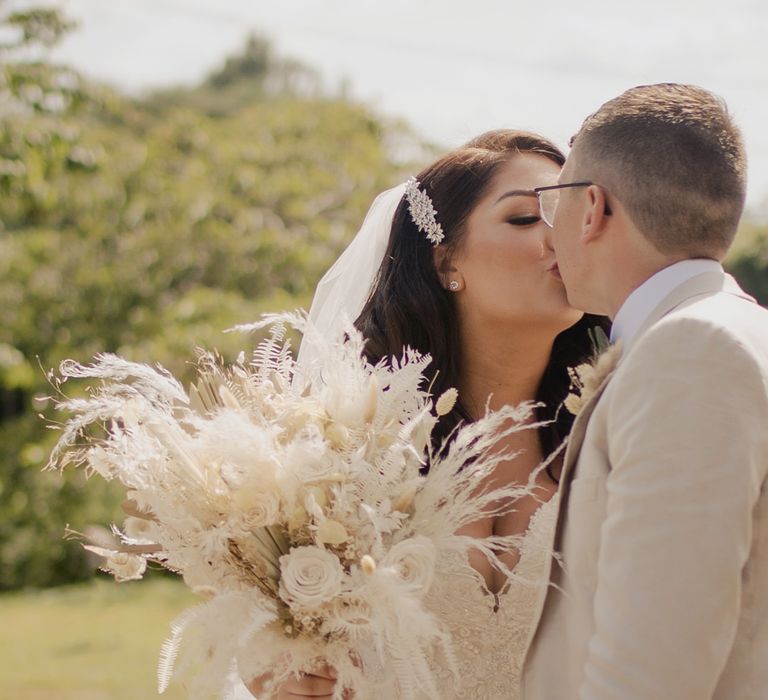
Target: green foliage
<point>253,75</point>
<point>748,261</point>
<point>147,228</point>
<point>34,27</point>
<point>35,508</point>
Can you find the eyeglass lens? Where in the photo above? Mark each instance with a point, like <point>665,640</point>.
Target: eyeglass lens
<point>548,201</point>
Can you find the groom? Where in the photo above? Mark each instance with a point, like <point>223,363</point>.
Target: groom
<point>662,590</point>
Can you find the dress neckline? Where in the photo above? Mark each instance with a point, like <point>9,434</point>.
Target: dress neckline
<point>497,596</point>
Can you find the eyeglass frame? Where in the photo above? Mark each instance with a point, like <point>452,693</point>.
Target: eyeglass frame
<point>538,190</point>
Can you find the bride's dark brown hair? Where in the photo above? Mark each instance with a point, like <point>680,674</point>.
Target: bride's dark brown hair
<point>408,305</point>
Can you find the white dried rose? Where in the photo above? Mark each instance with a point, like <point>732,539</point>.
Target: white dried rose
<point>413,560</point>
<point>310,576</point>
<point>255,508</point>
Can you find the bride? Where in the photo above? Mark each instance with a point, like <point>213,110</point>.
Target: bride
<point>472,281</point>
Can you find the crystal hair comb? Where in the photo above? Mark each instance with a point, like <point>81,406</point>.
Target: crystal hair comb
<point>423,212</point>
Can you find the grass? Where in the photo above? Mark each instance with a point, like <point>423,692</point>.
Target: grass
<point>95,641</point>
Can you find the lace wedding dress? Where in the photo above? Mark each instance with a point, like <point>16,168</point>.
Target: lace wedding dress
<point>489,630</point>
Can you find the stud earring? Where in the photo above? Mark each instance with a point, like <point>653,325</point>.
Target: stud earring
<point>453,286</point>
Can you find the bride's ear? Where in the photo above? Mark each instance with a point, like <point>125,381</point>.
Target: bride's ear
<point>450,277</point>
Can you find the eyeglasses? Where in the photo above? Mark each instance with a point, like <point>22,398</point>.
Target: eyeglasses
<point>549,197</point>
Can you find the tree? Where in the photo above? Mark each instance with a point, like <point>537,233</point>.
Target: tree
<point>253,75</point>
<point>748,261</point>
<point>146,227</point>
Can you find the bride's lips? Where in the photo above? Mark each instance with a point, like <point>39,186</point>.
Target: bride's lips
<point>554,270</point>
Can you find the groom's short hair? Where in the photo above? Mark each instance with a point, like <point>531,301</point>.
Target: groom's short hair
<point>673,157</point>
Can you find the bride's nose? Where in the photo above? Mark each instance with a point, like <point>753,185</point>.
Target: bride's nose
<point>546,242</point>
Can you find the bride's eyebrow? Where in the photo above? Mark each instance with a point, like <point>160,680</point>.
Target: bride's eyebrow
<point>515,193</point>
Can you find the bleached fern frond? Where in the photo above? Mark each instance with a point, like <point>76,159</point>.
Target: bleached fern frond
<point>169,650</point>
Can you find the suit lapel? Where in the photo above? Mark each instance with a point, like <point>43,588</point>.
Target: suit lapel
<point>575,440</point>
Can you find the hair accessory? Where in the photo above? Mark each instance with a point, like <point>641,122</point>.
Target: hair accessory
<point>453,286</point>
<point>422,212</point>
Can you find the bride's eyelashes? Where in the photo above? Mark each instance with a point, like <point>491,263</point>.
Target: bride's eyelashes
<point>524,220</point>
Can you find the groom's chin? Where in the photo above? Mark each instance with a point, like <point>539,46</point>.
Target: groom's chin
<point>582,303</point>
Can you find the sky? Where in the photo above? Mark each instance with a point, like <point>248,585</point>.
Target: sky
<point>453,68</point>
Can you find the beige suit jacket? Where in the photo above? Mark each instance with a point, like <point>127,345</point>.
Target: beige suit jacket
<point>663,524</point>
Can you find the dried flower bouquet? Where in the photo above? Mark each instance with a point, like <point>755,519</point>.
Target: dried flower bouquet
<point>294,501</point>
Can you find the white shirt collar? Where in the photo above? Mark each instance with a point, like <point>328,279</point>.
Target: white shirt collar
<point>641,302</point>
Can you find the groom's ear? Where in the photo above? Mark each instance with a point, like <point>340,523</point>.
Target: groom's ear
<point>598,215</point>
